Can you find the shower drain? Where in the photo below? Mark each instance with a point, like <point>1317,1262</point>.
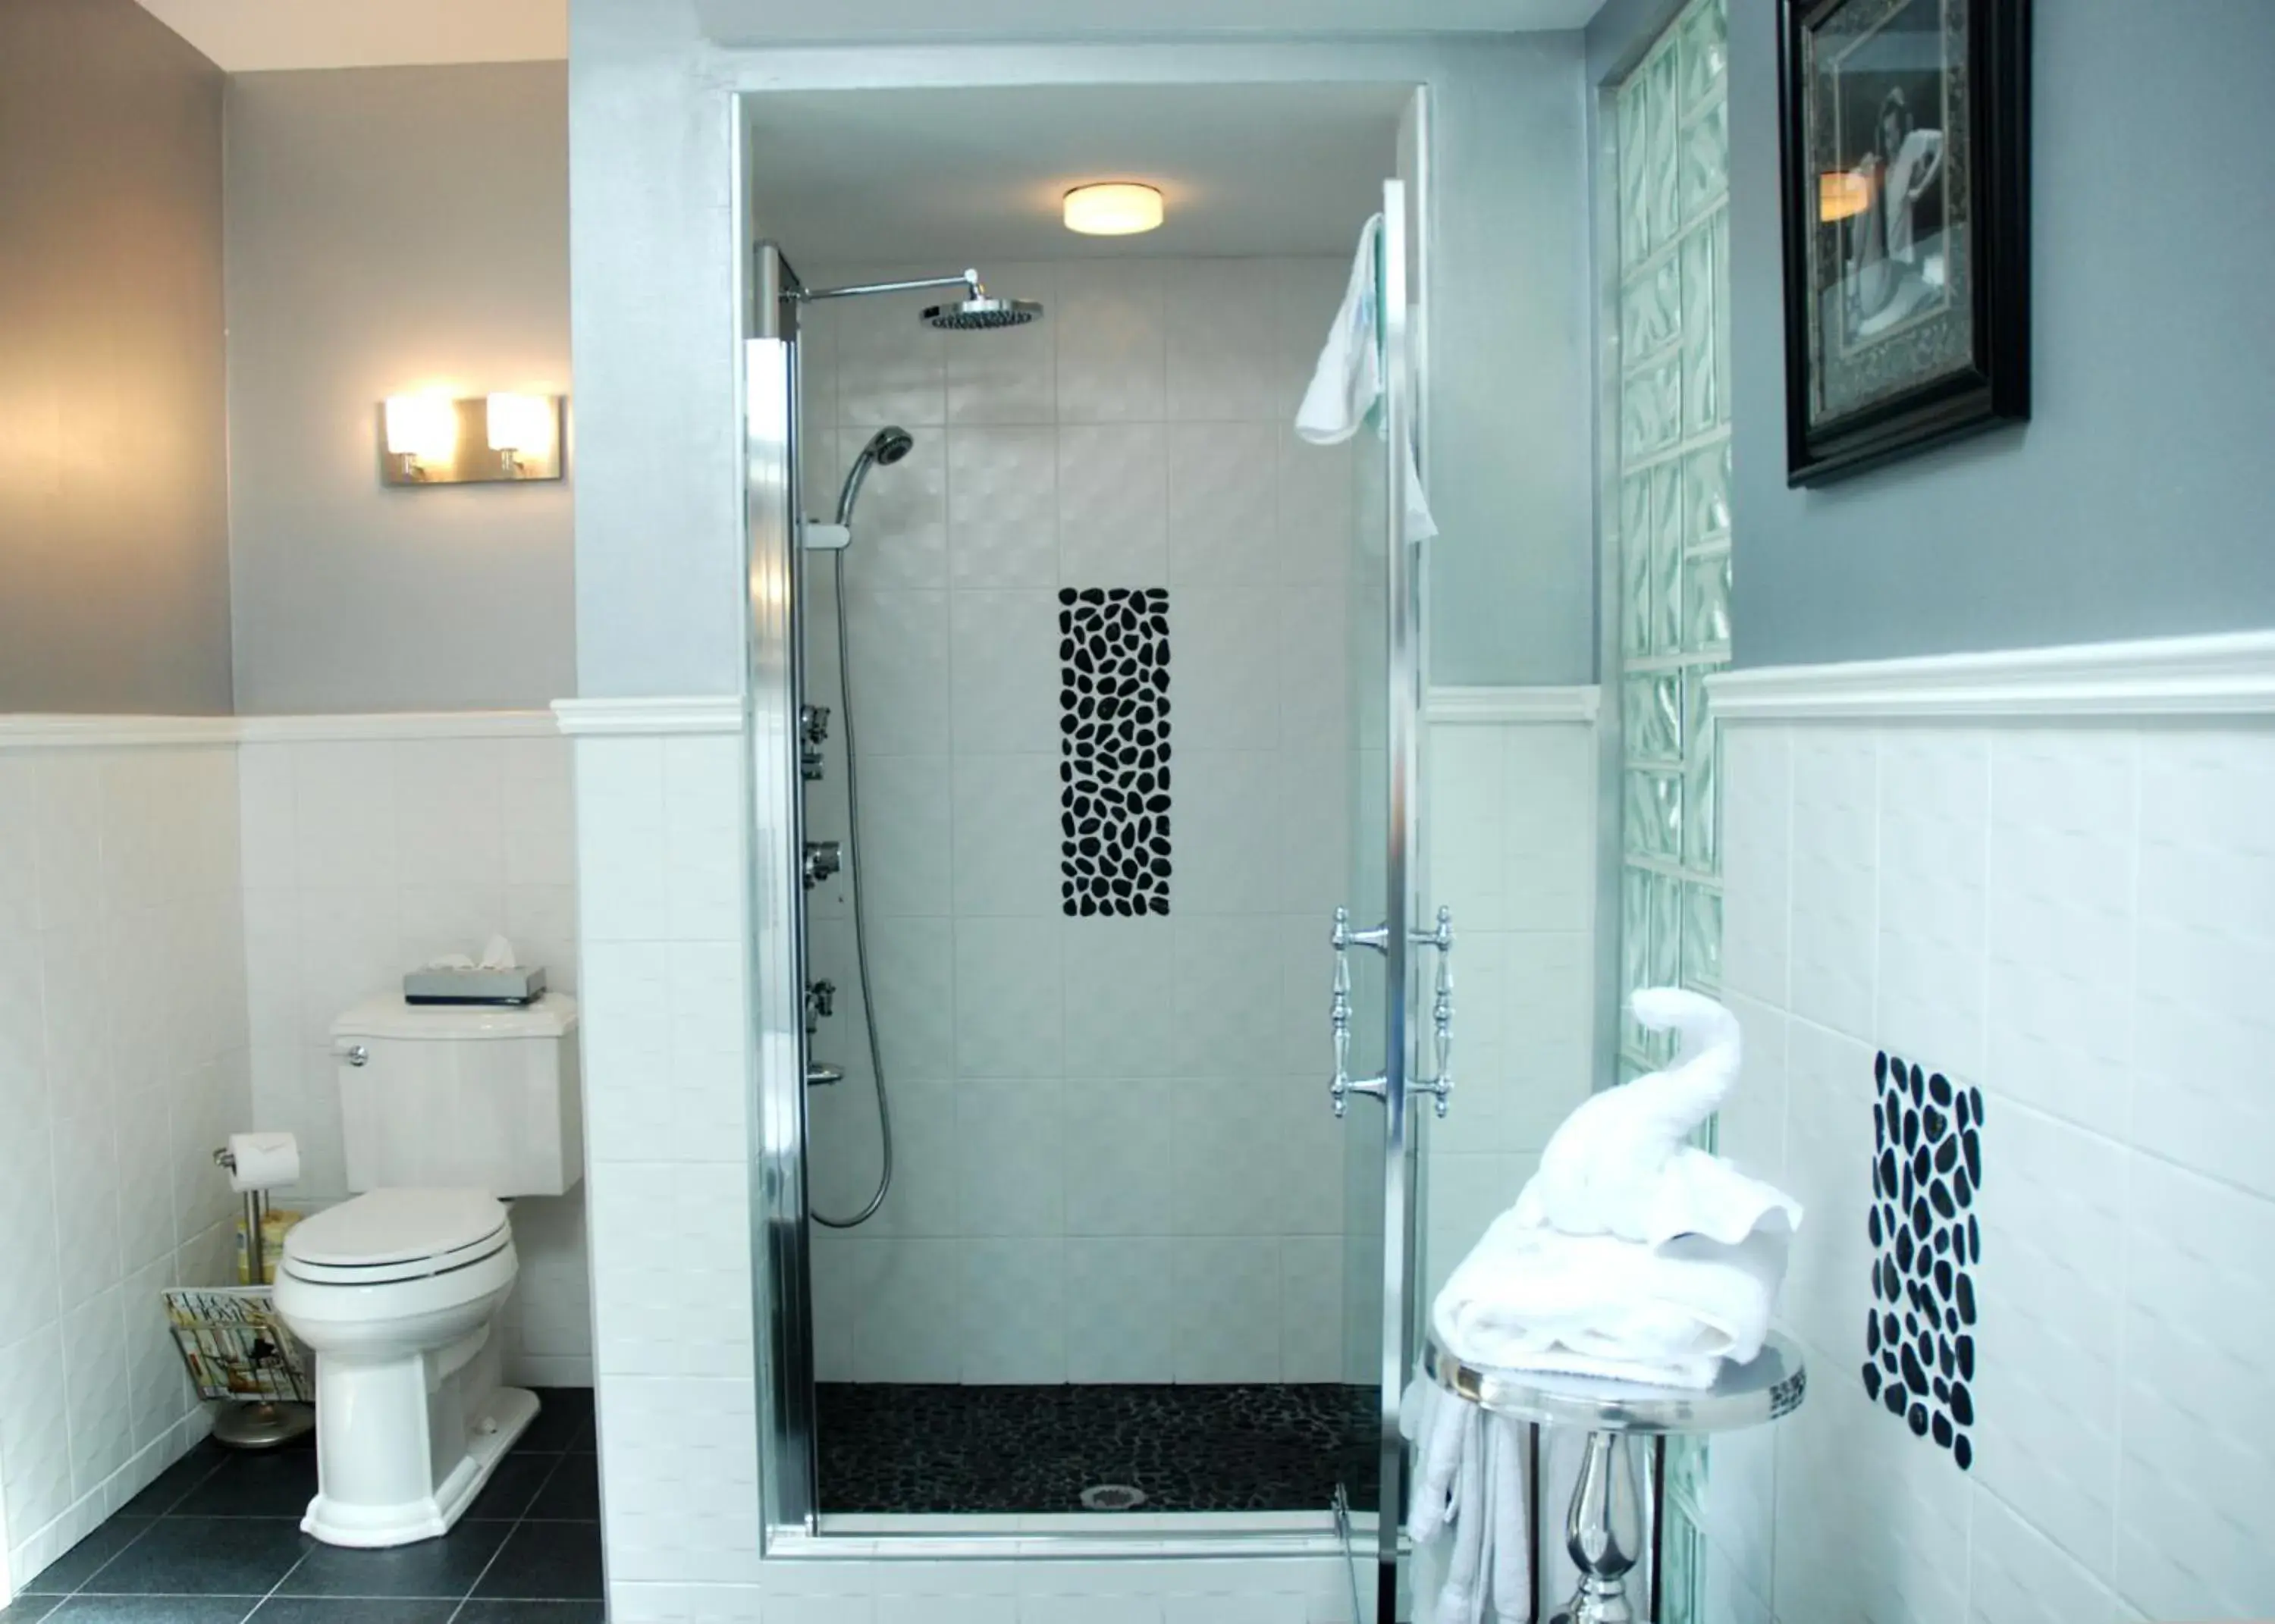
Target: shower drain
<point>1112,1496</point>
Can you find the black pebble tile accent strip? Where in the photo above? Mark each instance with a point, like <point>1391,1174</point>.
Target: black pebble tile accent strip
<point>216,1540</point>
<point>1114,772</point>
<point>1919,1334</point>
<point>890,1448</point>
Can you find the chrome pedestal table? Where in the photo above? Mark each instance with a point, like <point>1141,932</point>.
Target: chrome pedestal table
<point>1604,1527</point>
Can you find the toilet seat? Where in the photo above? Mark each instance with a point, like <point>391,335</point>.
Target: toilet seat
<point>388,1235</point>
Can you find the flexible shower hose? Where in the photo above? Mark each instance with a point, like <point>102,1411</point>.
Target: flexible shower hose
<point>861,918</point>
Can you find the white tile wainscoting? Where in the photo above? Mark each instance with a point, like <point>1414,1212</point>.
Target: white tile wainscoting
<point>186,903</point>
<point>1508,807</point>
<point>372,844</point>
<point>2049,875</point>
<point>123,1063</point>
<point>1113,1160</point>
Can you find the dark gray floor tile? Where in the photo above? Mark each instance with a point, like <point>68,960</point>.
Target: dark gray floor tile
<point>552,1561</point>
<point>447,1567</point>
<point>511,1487</point>
<point>564,1422</point>
<point>534,1613</point>
<point>165,1491</point>
<point>77,1565</point>
<point>205,1556</point>
<point>352,1610</point>
<point>201,1609</point>
<point>572,1493</point>
<point>268,1482</point>
<point>29,1609</point>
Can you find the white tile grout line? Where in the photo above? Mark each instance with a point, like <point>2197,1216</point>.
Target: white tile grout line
<point>559,1461</point>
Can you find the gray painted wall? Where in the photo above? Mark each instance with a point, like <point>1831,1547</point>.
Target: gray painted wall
<point>389,228</point>
<point>2135,503</point>
<point>114,529</point>
<point>658,528</point>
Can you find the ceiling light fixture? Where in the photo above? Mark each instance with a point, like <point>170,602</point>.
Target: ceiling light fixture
<point>1114,208</point>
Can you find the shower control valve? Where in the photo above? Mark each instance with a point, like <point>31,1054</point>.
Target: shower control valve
<point>820,1003</point>
<point>823,858</point>
<point>813,731</point>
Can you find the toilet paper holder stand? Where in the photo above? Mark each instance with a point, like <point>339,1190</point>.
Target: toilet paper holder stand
<point>259,1424</point>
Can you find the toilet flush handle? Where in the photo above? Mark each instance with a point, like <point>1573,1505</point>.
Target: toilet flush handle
<point>356,1054</point>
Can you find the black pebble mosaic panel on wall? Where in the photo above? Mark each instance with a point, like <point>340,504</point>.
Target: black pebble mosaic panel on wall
<point>1113,767</point>
<point>1919,1334</point>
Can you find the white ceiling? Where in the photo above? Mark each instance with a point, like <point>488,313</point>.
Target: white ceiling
<point>891,176</point>
<point>244,36</point>
<point>248,35</point>
<point>806,22</point>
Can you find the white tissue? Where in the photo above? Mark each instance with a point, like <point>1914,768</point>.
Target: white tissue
<point>497,954</point>
<point>263,1160</point>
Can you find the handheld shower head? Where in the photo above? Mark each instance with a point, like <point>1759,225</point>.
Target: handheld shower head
<point>886,447</point>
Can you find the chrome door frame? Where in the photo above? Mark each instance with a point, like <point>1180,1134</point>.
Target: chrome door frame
<point>767,388</point>
<point>782,1288</point>
<point>1401,720</point>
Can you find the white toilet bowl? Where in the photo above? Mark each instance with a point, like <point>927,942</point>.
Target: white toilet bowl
<point>397,1291</point>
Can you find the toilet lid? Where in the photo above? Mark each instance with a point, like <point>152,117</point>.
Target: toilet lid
<point>397,1235</point>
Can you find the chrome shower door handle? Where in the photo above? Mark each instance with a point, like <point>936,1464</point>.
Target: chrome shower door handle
<point>1342,1084</point>
<point>1440,1085</point>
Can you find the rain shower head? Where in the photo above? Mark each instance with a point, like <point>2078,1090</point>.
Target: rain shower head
<point>886,447</point>
<point>981,313</point>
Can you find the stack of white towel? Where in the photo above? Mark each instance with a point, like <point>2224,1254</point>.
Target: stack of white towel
<point>1631,1254</point>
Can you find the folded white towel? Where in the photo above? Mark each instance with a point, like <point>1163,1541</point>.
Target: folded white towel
<point>1620,1165</point>
<point>1347,379</point>
<point>1667,1315</point>
<point>1467,1508</point>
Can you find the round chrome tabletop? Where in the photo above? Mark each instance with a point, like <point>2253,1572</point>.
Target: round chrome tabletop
<point>1771,1385</point>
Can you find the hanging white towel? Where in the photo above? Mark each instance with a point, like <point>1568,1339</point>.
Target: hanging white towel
<point>1347,378</point>
<point>1467,1510</point>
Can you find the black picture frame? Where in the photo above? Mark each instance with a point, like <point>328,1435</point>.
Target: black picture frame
<point>1951,357</point>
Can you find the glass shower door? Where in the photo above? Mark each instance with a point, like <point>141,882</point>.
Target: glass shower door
<point>1382,958</point>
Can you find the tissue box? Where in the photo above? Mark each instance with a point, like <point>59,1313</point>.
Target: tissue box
<point>521,985</point>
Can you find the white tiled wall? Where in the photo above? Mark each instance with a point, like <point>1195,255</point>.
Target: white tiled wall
<point>366,856</point>
<point>2077,918</point>
<point>1510,840</point>
<point>666,1089</point>
<point>123,1063</point>
<point>1114,1162</point>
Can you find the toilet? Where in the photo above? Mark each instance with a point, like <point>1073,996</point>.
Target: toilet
<point>445,1111</point>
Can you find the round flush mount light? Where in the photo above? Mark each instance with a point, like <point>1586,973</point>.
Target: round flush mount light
<point>1115,208</point>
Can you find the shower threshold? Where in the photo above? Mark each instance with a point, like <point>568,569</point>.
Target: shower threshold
<point>888,1448</point>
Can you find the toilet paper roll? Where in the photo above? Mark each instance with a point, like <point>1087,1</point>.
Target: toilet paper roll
<point>263,1161</point>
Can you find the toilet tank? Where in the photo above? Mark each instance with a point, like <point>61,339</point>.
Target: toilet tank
<point>462,1096</point>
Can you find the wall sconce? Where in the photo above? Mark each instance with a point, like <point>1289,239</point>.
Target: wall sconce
<point>1842,194</point>
<point>478,440</point>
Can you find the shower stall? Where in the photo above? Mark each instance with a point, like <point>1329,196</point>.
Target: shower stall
<point>1093,1000</point>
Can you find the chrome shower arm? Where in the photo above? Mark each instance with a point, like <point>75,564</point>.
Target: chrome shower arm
<point>969,279</point>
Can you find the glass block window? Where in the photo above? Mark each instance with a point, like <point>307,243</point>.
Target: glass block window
<point>1672,471</point>
<point>1673,517</point>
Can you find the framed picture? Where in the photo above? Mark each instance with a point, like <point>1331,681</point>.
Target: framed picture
<point>1904,128</point>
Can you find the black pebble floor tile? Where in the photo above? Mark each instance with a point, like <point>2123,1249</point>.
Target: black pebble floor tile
<point>889,1447</point>
<point>216,1540</point>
